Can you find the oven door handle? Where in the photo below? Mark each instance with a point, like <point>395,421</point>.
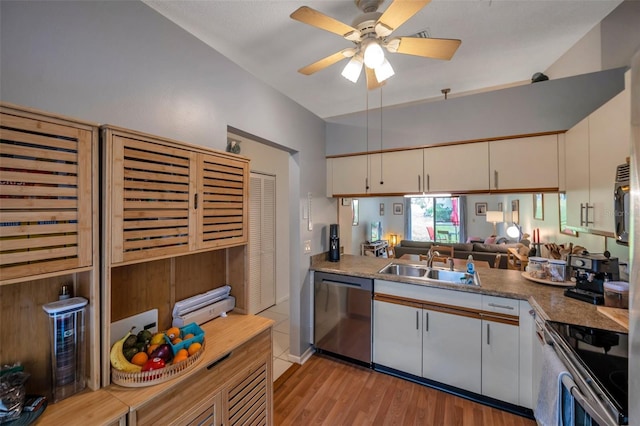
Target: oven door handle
<point>597,415</point>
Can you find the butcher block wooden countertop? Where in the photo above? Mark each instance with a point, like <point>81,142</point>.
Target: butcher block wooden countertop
<point>108,405</point>
<point>549,301</point>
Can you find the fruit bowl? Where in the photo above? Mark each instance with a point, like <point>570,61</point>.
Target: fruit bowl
<point>154,377</point>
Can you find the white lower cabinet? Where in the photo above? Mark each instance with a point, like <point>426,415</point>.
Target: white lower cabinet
<point>500,361</point>
<point>397,341</point>
<point>451,350</point>
<point>460,339</point>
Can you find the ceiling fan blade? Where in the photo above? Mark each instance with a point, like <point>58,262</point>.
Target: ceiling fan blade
<point>398,13</point>
<point>319,20</point>
<point>325,62</point>
<point>437,48</point>
<point>372,81</point>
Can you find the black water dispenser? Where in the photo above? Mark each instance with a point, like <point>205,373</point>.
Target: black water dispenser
<point>334,242</point>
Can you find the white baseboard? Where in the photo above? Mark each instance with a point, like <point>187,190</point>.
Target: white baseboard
<point>304,357</point>
<point>282,299</point>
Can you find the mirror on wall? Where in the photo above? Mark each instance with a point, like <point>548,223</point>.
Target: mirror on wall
<point>562,204</point>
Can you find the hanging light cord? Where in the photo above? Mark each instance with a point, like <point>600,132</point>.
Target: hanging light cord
<point>381,174</point>
<point>367,137</point>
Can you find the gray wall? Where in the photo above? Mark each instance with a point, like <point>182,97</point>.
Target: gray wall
<point>122,63</point>
<point>545,106</point>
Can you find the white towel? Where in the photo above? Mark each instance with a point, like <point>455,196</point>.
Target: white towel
<point>548,411</point>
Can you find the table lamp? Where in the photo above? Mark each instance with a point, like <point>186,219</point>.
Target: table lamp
<point>495,217</point>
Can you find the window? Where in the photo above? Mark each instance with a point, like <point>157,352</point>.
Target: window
<point>434,219</point>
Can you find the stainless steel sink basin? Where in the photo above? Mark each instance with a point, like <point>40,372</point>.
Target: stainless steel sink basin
<point>404,270</point>
<point>430,274</point>
<point>457,277</point>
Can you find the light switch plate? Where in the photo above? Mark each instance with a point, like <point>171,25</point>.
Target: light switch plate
<point>307,246</point>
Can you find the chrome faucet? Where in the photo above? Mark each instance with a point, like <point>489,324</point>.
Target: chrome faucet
<point>430,255</point>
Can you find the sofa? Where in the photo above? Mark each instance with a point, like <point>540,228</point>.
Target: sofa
<point>479,251</point>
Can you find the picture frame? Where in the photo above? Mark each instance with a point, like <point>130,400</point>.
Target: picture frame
<point>346,202</point>
<point>538,206</point>
<point>381,209</point>
<point>515,211</point>
<point>481,209</point>
<point>398,208</point>
<point>354,212</point>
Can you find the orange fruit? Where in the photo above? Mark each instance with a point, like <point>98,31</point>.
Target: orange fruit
<point>182,352</point>
<point>151,348</point>
<point>139,359</point>
<point>173,332</point>
<point>188,336</point>
<point>176,341</point>
<point>179,358</point>
<point>193,348</point>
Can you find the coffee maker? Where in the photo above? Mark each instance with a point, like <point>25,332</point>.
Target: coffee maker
<point>590,272</point>
<point>334,242</point>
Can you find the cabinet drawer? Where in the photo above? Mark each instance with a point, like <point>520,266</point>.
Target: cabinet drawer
<point>501,305</point>
<point>188,395</point>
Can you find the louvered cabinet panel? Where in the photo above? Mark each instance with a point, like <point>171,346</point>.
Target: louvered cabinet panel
<point>248,398</point>
<point>46,195</point>
<point>152,204</point>
<point>223,185</point>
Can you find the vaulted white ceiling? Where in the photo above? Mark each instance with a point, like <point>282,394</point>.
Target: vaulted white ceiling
<point>504,42</point>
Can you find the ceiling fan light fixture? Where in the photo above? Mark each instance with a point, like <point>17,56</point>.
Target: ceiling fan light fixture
<point>373,53</point>
<point>353,69</point>
<point>384,71</point>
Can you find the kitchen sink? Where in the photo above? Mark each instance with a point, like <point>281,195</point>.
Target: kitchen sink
<point>430,274</point>
<point>404,270</point>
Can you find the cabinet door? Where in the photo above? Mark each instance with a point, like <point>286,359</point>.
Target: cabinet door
<point>48,175</point>
<point>152,190</point>
<point>397,336</point>
<point>396,172</point>
<point>576,172</point>
<point>222,201</point>
<point>248,398</point>
<point>350,175</point>
<point>500,353</point>
<point>525,163</point>
<point>457,168</point>
<point>609,146</point>
<point>451,352</point>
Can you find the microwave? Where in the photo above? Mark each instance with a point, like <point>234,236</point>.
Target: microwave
<point>621,203</point>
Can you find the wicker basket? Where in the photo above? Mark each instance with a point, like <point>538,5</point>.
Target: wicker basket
<point>153,377</point>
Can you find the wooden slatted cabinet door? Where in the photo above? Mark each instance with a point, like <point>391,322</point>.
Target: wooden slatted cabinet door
<point>152,210</point>
<point>223,201</point>
<point>46,207</point>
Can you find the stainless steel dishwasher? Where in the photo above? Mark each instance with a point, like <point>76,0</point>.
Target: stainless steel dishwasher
<point>342,316</point>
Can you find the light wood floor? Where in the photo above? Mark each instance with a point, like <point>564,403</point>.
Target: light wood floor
<point>325,391</point>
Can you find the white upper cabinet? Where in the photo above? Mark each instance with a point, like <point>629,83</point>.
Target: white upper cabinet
<point>454,168</point>
<point>525,163</point>
<point>349,175</point>
<point>594,148</point>
<point>396,172</point>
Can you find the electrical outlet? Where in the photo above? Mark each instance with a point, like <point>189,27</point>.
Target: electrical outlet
<point>307,246</point>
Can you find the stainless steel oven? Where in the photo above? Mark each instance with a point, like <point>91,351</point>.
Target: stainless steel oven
<point>596,391</point>
<point>621,202</point>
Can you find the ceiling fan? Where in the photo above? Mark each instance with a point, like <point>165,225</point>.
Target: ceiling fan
<point>370,33</point>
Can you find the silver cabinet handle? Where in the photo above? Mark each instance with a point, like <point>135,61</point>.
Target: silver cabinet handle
<point>428,183</point>
<point>495,179</point>
<point>586,214</point>
<point>366,184</point>
<point>495,305</point>
<point>417,320</point>
<point>581,214</point>
<point>426,322</point>
<point>488,335</point>
<point>419,183</point>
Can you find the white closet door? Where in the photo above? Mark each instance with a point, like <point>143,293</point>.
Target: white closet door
<point>262,254</point>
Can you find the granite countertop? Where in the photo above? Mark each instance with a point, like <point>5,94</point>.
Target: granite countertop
<point>548,300</point>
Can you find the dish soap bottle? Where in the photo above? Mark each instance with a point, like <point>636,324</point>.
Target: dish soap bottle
<point>471,268</point>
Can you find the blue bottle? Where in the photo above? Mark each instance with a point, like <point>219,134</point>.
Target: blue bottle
<point>471,268</point>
